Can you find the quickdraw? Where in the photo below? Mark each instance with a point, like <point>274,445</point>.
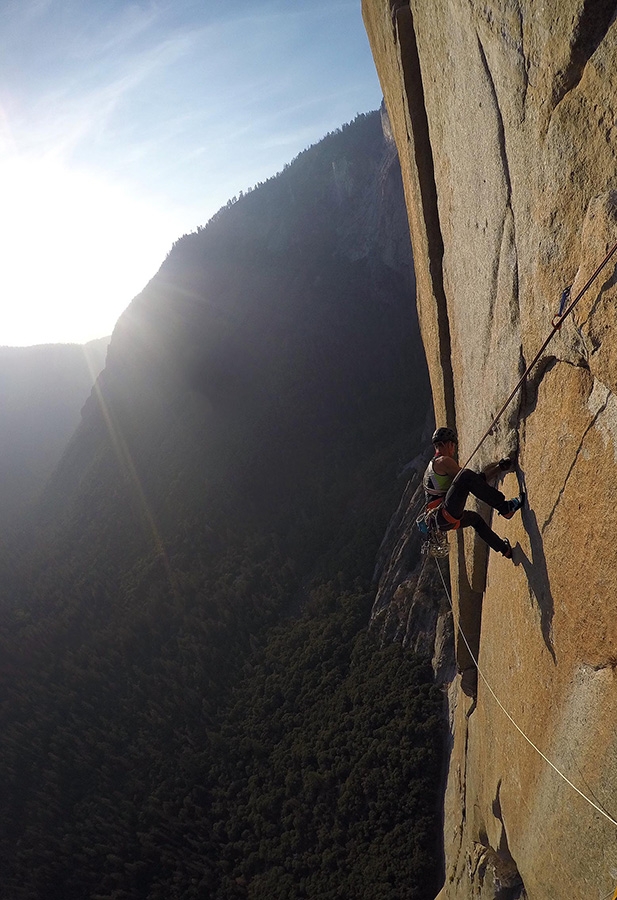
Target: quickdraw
<point>563,303</point>
<point>436,543</point>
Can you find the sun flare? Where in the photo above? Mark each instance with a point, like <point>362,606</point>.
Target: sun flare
<point>76,249</point>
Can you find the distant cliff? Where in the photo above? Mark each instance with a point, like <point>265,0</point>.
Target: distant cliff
<point>42,392</point>
<point>504,117</point>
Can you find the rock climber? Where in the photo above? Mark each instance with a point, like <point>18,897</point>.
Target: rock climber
<point>447,488</point>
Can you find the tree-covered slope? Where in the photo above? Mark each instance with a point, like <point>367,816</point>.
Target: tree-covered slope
<point>192,705</point>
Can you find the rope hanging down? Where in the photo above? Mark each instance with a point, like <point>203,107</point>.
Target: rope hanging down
<point>507,714</point>
<point>557,323</point>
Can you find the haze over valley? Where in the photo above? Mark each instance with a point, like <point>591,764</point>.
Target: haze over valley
<point>193,704</point>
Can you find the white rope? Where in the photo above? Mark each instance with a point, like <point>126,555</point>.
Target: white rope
<point>612,894</point>
<point>507,714</point>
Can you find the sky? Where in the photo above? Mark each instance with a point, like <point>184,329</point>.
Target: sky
<point>124,125</point>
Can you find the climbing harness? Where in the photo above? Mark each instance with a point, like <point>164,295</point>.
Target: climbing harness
<point>508,716</point>
<point>557,323</point>
<point>436,543</point>
<point>450,519</point>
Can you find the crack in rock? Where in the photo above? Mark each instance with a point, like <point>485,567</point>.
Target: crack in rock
<point>598,412</point>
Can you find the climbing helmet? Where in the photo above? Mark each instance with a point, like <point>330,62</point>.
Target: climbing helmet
<point>443,435</point>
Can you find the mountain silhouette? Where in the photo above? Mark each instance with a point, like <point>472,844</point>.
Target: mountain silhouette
<point>42,391</point>
<point>194,707</point>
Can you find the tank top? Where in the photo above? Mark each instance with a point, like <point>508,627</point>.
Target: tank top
<point>435,485</point>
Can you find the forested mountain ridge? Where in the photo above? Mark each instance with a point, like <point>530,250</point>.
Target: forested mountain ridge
<point>42,391</point>
<point>193,707</point>
<point>262,350</point>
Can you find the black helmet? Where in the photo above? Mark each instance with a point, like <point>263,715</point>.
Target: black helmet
<point>443,435</point>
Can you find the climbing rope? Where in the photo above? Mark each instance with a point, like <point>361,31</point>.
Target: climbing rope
<point>507,714</point>
<point>557,323</point>
<point>612,895</point>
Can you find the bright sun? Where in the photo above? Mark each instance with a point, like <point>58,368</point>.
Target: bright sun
<point>75,250</point>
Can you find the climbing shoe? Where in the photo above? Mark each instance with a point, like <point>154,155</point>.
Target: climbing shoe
<point>512,506</point>
<point>507,549</point>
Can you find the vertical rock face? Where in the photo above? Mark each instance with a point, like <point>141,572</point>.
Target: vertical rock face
<point>504,115</point>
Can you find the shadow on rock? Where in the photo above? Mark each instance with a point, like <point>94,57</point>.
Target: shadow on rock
<point>536,570</point>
